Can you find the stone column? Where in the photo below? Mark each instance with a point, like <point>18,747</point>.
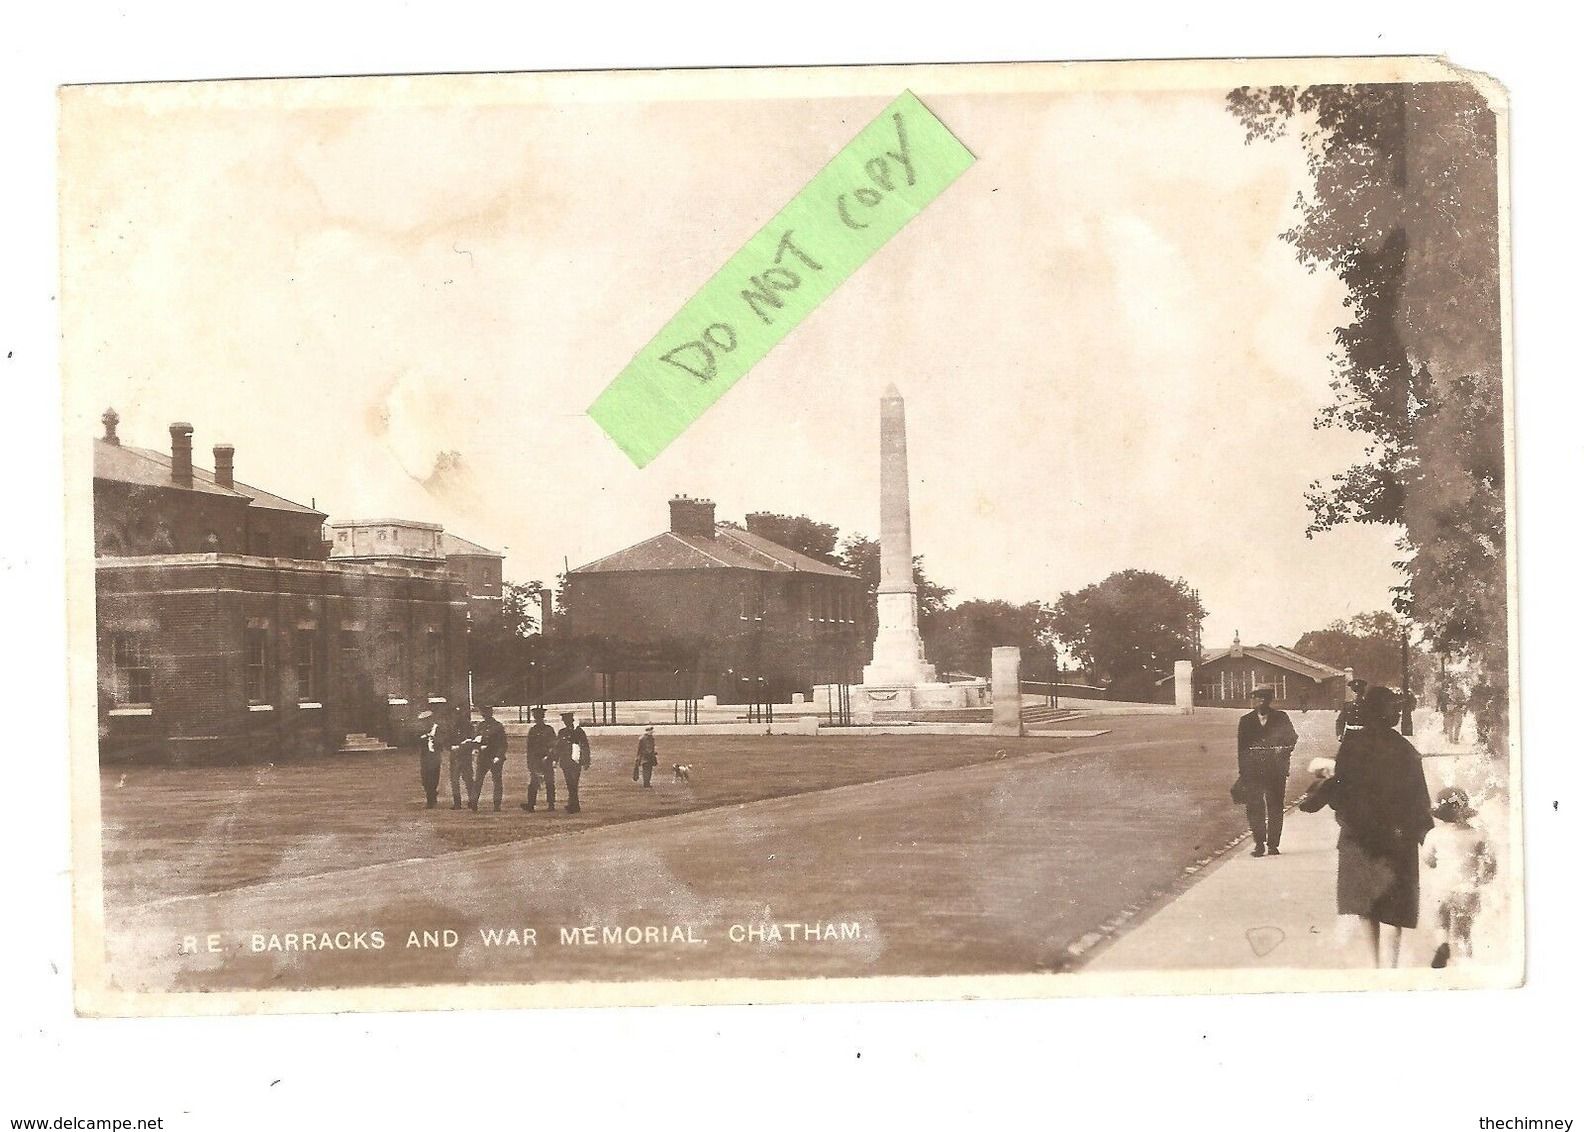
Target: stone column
<point>898,650</point>
<point>1006,691</point>
<point>1182,673</point>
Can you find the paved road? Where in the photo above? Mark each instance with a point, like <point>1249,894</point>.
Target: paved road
<point>992,868</point>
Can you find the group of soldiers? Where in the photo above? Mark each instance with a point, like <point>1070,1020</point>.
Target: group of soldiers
<point>478,750</point>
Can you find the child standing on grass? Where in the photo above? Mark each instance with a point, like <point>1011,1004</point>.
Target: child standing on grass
<point>1463,861</point>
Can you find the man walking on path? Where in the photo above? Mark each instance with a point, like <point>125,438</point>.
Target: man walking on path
<point>1265,745</point>
<point>541,747</point>
<point>1351,717</point>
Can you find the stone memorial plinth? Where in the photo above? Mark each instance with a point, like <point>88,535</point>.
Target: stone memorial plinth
<point>1182,686</point>
<point>1006,691</point>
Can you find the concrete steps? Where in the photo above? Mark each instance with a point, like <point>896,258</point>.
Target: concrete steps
<point>359,743</point>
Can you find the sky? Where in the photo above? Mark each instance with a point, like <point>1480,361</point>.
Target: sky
<point>1109,357</point>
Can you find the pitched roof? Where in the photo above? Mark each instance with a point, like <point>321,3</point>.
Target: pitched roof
<point>453,544</point>
<point>730,549</point>
<point>124,464</point>
<point>1281,658</point>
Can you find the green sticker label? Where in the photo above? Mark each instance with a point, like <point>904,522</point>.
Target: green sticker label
<point>883,178</point>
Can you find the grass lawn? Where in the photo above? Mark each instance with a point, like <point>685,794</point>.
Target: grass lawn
<point>183,831</point>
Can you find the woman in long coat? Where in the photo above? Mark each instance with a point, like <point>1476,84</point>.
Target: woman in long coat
<point>1383,808</point>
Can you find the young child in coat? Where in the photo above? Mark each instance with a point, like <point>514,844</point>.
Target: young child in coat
<point>1463,861</point>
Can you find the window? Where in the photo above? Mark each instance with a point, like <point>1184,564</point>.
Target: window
<point>131,672</point>
<point>433,662</point>
<point>306,657</point>
<point>396,658</point>
<point>351,662</point>
<point>256,657</point>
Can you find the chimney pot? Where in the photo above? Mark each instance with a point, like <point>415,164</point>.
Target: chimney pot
<point>225,465</point>
<point>181,454</point>
<point>111,418</point>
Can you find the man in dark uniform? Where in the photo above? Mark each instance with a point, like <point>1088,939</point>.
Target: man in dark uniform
<point>1265,745</point>
<point>462,756</point>
<point>433,739</point>
<point>574,753</point>
<point>644,765</point>
<point>541,748</point>
<point>1351,717</point>
<point>491,757</point>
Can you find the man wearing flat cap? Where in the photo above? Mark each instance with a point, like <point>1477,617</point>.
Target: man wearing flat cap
<point>647,759</point>
<point>573,752</point>
<point>1266,739</point>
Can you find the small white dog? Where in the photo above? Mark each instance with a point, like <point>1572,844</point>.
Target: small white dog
<point>681,772</point>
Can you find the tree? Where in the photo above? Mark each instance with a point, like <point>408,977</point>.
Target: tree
<point>1371,645</point>
<point>860,555</point>
<point>520,607</point>
<point>799,533</point>
<point>961,637</point>
<point>1130,629</point>
<point>501,652</point>
<point>1403,209</point>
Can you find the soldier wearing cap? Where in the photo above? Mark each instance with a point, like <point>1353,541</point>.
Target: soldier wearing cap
<point>574,753</point>
<point>1351,717</point>
<point>1266,739</point>
<point>491,757</point>
<point>464,744</point>
<point>433,739</point>
<point>541,764</point>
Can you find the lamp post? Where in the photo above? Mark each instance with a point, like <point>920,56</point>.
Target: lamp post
<point>1407,695</point>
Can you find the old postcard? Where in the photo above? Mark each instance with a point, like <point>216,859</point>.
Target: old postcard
<point>862,533</point>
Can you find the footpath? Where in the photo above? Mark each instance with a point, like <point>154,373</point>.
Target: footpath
<point>1280,912</point>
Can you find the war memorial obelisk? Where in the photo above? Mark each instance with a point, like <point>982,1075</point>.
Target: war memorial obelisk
<point>898,659</point>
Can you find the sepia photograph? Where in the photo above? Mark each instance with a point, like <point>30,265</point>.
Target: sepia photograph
<point>790,535</point>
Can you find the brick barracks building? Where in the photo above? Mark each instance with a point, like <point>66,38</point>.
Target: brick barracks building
<point>423,546</point>
<point>227,632</point>
<point>747,618</point>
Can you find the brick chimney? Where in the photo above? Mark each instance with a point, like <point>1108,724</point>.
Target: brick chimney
<point>225,465</point>
<point>111,418</point>
<point>693,517</point>
<point>181,454</point>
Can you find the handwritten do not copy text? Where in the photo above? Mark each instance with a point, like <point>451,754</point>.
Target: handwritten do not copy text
<point>882,179</point>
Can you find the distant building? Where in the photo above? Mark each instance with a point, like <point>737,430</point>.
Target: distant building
<point>403,542</point>
<point>1227,677</point>
<point>749,618</point>
<point>227,633</point>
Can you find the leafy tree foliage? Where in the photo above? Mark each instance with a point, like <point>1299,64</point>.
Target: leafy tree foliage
<point>1371,645</point>
<point>503,653</point>
<point>799,533</point>
<point>1130,629</point>
<point>960,638</point>
<point>1403,209</point>
<point>860,555</point>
